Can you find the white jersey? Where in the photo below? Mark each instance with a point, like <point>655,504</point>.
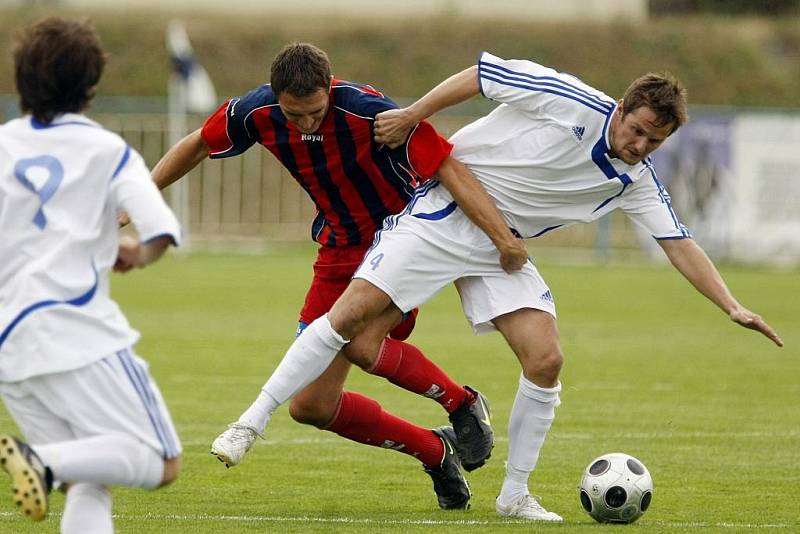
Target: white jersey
<point>543,154</point>
<point>61,187</point>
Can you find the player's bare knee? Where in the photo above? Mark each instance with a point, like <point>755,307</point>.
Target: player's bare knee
<point>172,469</point>
<point>348,318</point>
<point>311,412</point>
<point>553,362</point>
<point>359,304</point>
<point>543,368</point>
<point>363,350</point>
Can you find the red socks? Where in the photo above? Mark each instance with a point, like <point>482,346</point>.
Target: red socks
<point>362,419</point>
<point>405,365</point>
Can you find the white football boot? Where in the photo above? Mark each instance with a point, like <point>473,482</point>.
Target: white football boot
<point>526,507</point>
<point>231,446</point>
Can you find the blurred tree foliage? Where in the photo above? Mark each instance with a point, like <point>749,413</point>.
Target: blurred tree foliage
<point>743,61</point>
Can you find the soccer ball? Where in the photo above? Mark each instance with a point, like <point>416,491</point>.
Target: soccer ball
<point>616,488</point>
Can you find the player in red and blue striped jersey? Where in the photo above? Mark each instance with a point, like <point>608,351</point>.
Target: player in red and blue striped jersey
<point>321,130</point>
<point>354,182</point>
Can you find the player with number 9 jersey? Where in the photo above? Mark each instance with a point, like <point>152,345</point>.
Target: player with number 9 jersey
<point>61,186</point>
<point>91,415</point>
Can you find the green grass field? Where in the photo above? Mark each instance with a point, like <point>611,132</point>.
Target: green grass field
<point>652,369</point>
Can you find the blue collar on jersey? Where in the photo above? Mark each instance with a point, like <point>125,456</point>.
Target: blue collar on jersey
<point>600,152</point>
<point>63,120</point>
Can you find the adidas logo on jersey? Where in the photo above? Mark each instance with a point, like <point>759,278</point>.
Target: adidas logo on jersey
<point>547,296</point>
<point>579,131</point>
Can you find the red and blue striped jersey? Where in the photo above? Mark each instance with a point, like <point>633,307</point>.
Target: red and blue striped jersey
<point>354,182</point>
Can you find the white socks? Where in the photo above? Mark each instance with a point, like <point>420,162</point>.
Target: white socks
<point>531,417</point>
<point>109,460</point>
<point>310,354</point>
<point>87,509</point>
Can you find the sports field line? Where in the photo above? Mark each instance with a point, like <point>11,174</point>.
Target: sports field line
<point>569,436</point>
<point>378,522</point>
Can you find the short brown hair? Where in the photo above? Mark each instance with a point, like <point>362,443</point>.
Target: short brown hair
<point>57,63</point>
<point>300,69</point>
<point>661,92</point>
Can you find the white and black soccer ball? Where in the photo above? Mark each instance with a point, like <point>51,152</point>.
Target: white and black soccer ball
<point>616,488</point>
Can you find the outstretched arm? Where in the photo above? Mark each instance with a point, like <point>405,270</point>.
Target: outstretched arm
<point>476,204</point>
<point>692,262</point>
<point>180,159</point>
<point>392,127</point>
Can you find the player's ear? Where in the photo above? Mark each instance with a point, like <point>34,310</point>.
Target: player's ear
<point>621,108</point>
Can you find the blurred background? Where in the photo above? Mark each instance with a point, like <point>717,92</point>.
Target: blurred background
<point>732,171</point>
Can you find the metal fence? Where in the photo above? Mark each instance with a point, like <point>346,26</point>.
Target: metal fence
<point>247,197</point>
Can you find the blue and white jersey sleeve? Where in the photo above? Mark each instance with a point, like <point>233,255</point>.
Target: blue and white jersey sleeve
<point>648,204</point>
<point>135,193</point>
<point>530,86</point>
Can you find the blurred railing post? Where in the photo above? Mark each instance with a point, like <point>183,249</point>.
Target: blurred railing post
<point>179,191</point>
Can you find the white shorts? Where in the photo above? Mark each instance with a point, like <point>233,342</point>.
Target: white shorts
<point>115,395</point>
<point>431,244</point>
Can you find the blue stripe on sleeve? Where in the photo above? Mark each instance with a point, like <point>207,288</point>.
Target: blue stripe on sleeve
<point>665,198</point>
<point>540,89</point>
<point>546,81</point>
<point>480,74</point>
<point>122,162</point>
